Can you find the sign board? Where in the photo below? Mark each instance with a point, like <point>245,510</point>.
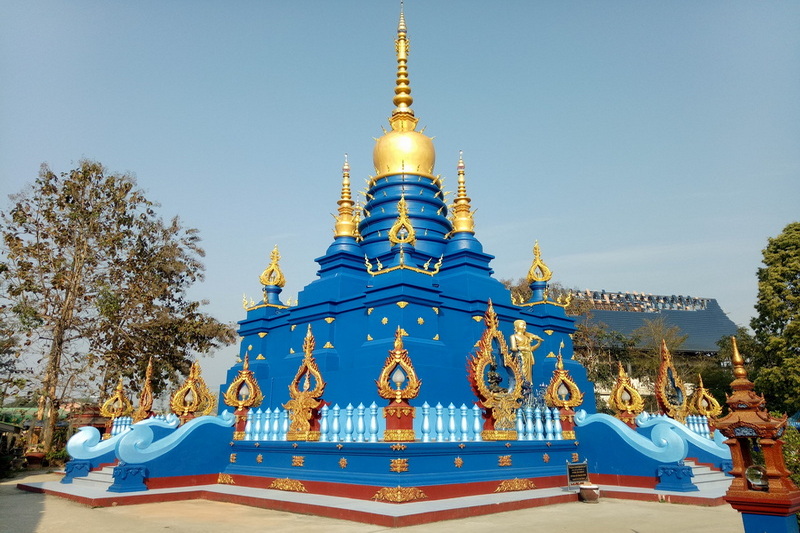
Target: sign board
<point>577,473</point>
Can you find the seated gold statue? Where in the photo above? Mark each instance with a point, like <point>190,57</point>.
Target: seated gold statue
<point>521,345</point>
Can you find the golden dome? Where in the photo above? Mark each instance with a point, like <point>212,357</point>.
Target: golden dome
<point>403,149</point>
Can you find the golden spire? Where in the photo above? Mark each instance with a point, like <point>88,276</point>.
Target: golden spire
<point>538,270</point>
<point>346,221</point>
<point>272,275</point>
<point>403,149</point>
<point>462,210</point>
<point>738,362</point>
<point>402,91</point>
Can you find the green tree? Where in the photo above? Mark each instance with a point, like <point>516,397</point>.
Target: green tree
<point>98,281</point>
<point>777,324</point>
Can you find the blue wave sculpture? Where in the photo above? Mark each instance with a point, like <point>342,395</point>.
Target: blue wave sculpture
<point>137,446</point>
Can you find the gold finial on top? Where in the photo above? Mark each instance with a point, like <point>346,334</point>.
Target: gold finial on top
<point>462,210</point>
<point>346,223</point>
<point>538,270</point>
<point>403,150</point>
<point>272,275</point>
<point>738,362</point>
<point>402,99</point>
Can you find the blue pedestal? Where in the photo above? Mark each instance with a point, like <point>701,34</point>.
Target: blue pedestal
<point>75,468</point>
<point>763,523</point>
<point>677,477</point>
<point>129,478</point>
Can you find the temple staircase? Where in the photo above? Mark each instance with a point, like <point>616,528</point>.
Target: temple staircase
<point>707,478</point>
<point>97,479</point>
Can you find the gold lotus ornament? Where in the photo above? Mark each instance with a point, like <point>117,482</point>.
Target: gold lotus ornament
<point>398,370</point>
<point>116,406</point>
<point>193,397</point>
<point>500,403</point>
<point>624,399</point>
<point>243,394</point>
<point>701,402</point>
<point>305,400</point>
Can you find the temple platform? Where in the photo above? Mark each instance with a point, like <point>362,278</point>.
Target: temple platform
<point>710,493</point>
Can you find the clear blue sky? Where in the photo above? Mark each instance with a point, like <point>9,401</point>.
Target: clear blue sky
<point>648,146</point>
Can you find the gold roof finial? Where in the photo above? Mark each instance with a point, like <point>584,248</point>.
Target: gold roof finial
<point>538,270</point>
<point>346,221</point>
<point>402,91</point>
<point>462,210</point>
<point>403,149</point>
<point>272,275</point>
<point>737,360</point>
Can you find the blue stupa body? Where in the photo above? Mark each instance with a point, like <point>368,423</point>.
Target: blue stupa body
<point>405,277</point>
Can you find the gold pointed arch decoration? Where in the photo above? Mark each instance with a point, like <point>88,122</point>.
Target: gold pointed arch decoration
<point>145,409</point>
<point>398,360</point>
<point>402,232</point>
<point>272,275</point>
<point>670,391</point>
<point>624,399</point>
<point>562,392</point>
<point>244,390</point>
<point>500,403</point>
<point>117,404</point>
<point>305,400</point>
<point>193,397</point>
<point>701,402</point>
<point>538,271</point>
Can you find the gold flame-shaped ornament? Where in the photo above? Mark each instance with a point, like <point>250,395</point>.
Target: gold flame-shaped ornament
<point>538,270</point>
<point>145,409</point>
<point>244,390</point>
<point>500,403</point>
<point>562,392</point>
<point>624,398</point>
<point>398,361</point>
<point>193,397</point>
<point>272,275</point>
<point>670,391</point>
<point>402,232</point>
<point>118,404</point>
<point>701,402</point>
<point>305,400</point>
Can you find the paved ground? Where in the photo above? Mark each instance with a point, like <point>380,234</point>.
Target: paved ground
<point>25,512</point>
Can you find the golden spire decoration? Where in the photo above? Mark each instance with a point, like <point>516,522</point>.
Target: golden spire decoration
<point>346,222</point>
<point>538,270</point>
<point>462,210</point>
<point>272,275</point>
<point>145,408</point>
<point>402,91</point>
<point>403,150</point>
<point>402,232</point>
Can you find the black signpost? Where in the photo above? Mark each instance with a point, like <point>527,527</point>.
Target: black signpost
<point>577,473</point>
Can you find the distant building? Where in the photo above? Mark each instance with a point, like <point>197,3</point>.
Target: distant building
<point>702,319</point>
